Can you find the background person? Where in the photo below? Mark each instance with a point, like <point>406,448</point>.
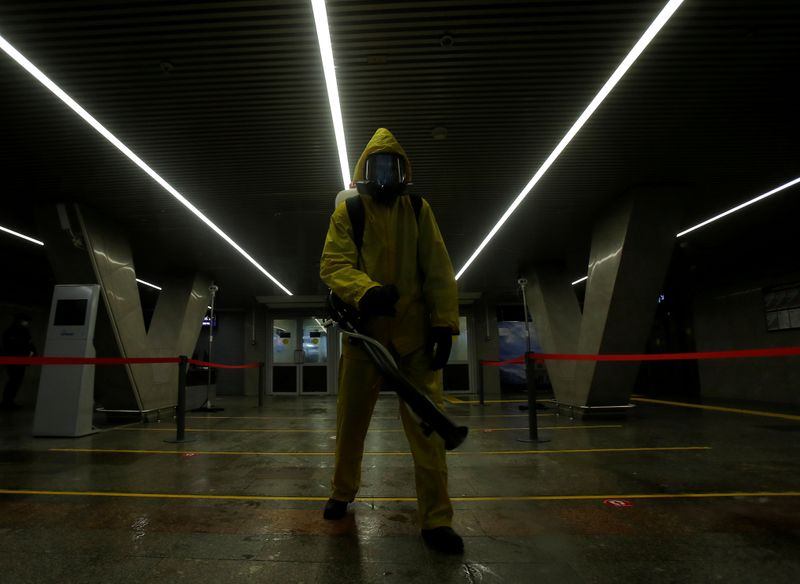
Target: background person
<point>16,343</point>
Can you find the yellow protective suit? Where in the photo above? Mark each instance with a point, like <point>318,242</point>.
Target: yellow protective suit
<point>399,249</point>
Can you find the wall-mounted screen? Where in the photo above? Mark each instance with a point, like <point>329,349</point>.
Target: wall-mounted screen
<point>782,307</point>
<point>70,312</point>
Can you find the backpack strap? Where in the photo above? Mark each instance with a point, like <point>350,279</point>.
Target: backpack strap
<point>355,210</point>
<point>416,203</point>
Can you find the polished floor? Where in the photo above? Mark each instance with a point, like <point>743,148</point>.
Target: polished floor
<point>668,494</point>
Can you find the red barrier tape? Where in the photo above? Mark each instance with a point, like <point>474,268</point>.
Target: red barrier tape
<point>113,361</point>
<point>515,361</point>
<point>221,366</point>
<point>779,352</point>
<point>84,360</point>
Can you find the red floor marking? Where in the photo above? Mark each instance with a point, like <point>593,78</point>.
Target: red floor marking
<point>618,503</point>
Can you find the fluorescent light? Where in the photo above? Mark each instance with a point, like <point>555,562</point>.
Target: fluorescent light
<point>148,284</point>
<point>326,52</point>
<point>742,206</point>
<point>25,237</point>
<point>637,49</point>
<point>44,80</point>
<point>579,280</point>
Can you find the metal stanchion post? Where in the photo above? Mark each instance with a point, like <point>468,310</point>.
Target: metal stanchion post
<point>533,423</point>
<point>261,385</point>
<point>480,383</point>
<point>180,421</point>
<point>208,406</point>
<point>180,411</point>
<point>530,375</point>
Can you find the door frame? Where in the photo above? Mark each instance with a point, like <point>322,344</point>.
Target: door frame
<point>333,351</point>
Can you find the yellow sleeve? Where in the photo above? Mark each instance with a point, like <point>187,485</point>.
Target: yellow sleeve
<point>339,264</point>
<point>439,282</point>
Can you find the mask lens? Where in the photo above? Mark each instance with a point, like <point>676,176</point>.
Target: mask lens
<point>384,169</point>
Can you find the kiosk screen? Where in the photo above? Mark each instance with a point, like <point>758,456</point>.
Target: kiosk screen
<point>70,312</point>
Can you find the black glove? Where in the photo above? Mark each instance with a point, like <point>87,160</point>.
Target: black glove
<point>440,341</point>
<point>379,301</point>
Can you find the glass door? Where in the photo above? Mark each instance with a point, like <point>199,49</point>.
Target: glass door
<point>314,369</point>
<point>299,356</point>
<point>457,374</point>
<point>284,356</point>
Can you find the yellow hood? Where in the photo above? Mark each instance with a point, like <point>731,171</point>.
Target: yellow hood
<point>382,141</point>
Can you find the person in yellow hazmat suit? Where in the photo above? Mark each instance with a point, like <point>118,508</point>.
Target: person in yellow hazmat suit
<point>402,281</point>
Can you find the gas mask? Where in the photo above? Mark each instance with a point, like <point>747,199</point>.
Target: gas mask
<point>384,177</point>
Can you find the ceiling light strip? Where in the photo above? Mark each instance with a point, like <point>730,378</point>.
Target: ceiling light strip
<point>742,206</point>
<point>148,284</point>
<point>44,80</point>
<point>25,237</point>
<point>326,52</point>
<point>637,50</point>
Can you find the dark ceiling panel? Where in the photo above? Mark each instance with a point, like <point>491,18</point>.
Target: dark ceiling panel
<point>227,101</point>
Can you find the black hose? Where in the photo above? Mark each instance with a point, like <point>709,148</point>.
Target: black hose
<point>432,418</point>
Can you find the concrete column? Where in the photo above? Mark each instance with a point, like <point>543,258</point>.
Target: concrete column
<point>557,318</point>
<point>174,328</point>
<point>95,250</point>
<point>176,322</point>
<point>631,249</point>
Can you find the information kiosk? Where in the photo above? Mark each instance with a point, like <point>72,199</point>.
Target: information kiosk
<point>66,392</point>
